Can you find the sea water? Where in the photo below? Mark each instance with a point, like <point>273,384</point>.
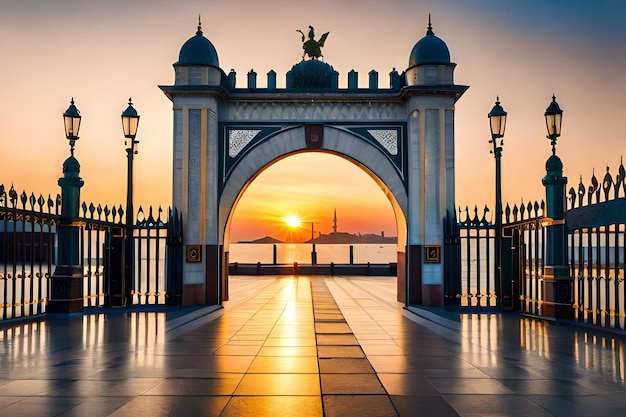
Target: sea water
<point>288,253</point>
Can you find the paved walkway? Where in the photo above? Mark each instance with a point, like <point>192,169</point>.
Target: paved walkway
<point>308,346</point>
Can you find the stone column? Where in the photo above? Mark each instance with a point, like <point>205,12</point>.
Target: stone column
<point>557,284</point>
<point>66,295</point>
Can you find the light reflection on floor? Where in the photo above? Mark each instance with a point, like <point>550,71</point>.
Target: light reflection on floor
<point>261,352</point>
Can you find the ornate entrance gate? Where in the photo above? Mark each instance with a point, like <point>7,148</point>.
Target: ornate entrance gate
<point>402,136</point>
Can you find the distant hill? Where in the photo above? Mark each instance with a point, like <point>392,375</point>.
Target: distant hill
<point>348,238</point>
<point>340,238</point>
<point>266,239</point>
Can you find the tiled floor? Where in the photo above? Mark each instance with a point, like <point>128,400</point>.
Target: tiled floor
<point>308,346</point>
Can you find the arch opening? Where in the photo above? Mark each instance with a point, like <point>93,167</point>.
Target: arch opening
<point>375,176</point>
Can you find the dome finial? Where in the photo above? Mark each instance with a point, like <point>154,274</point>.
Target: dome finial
<point>430,27</point>
<point>199,32</point>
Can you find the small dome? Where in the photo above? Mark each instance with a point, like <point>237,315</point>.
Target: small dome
<point>71,167</point>
<point>554,165</point>
<point>430,50</point>
<point>312,73</point>
<point>198,50</point>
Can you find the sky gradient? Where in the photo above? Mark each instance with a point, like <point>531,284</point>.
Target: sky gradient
<point>102,53</point>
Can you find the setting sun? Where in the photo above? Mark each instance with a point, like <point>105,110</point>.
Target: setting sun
<point>293,221</point>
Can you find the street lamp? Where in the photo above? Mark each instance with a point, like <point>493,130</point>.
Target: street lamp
<point>66,287</point>
<point>558,285</point>
<point>497,124</point>
<point>554,117</point>
<point>71,119</point>
<point>130,122</point>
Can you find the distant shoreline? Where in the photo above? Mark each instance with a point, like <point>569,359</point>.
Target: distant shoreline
<point>340,238</point>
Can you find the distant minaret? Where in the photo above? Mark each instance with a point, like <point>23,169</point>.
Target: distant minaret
<point>335,222</point>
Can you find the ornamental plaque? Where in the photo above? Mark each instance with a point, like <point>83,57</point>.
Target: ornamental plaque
<point>314,136</point>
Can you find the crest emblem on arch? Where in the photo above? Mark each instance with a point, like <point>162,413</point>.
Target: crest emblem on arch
<point>314,136</point>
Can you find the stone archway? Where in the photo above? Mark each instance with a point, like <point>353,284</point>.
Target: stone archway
<point>337,142</point>
<point>402,135</point>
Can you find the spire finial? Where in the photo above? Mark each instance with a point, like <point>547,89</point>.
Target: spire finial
<point>199,32</point>
<point>430,27</point>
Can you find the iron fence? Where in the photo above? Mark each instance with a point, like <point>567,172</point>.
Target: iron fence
<point>519,285</point>
<point>596,217</point>
<point>596,223</point>
<point>28,250</point>
<point>28,227</point>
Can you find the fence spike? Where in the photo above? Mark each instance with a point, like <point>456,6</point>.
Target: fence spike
<point>622,175</point>
<point>151,217</point>
<point>507,212</point>
<point>141,217</point>
<point>607,183</point>
<point>13,196</point>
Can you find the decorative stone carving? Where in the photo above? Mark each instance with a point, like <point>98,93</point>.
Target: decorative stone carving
<point>238,139</point>
<point>387,138</point>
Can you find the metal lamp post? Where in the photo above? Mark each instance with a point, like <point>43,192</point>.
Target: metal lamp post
<point>497,123</point>
<point>130,122</point>
<point>66,295</point>
<point>557,282</point>
<point>554,118</point>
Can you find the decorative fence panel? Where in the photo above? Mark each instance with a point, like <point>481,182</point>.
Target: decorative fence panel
<point>596,219</point>
<point>28,253</point>
<point>27,248</point>
<point>596,223</point>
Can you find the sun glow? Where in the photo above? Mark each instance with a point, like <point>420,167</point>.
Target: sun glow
<point>293,221</point>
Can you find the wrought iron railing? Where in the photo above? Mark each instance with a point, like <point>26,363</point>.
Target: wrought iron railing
<point>518,284</point>
<point>28,226</point>
<point>596,222</point>
<point>596,218</point>
<point>28,253</point>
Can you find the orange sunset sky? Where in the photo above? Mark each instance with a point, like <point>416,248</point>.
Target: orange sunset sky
<point>101,53</point>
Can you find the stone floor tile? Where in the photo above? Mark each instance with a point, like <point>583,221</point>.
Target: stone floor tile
<point>336,328</point>
<point>290,341</point>
<point>340,352</point>
<point>96,407</point>
<point>423,406</point>
<point>351,384</point>
<point>499,405</point>
<point>40,406</point>
<point>284,365</point>
<point>358,405</point>
<point>579,405</point>
<point>336,339</point>
<point>279,384</point>
<point>237,350</point>
<point>224,385</point>
<point>273,406</point>
<point>469,386</point>
<point>407,384</point>
<point>288,351</point>
<point>345,366</point>
<point>173,406</point>
<point>557,387</point>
